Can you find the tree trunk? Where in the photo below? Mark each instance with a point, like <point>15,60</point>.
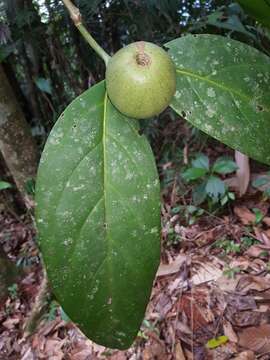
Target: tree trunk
<point>16,143</point>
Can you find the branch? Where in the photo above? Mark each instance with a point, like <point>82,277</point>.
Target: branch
<point>77,20</point>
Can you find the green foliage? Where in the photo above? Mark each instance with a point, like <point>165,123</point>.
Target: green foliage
<point>263,182</point>
<point>13,291</point>
<point>4,185</point>
<point>227,18</point>
<point>98,217</point>
<point>190,213</point>
<point>258,216</point>
<point>209,186</point>
<point>223,89</point>
<point>172,238</point>
<point>98,210</point>
<point>247,241</point>
<point>259,9</point>
<point>53,311</point>
<point>44,85</point>
<point>232,247</point>
<point>229,246</point>
<point>30,187</point>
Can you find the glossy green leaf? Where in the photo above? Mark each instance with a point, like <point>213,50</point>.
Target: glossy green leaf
<point>201,161</point>
<point>223,88</point>
<point>224,166</point>
<point>98,216</point>
<point>199,193</point>
<point>193,174</point>
<point>259,9</point>
<point>215,187</point>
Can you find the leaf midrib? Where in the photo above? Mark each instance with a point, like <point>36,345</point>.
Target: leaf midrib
<point>105,181</point>
<point>218,85</point>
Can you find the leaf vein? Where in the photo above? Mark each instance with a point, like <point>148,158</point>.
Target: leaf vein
<point>218,85</point>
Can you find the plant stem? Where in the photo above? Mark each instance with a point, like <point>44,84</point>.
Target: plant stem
<point>40,306</point>
<point>77,19</point>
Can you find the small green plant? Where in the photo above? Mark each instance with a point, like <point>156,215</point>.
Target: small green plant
<point>209,186</point>
<point>228,246</point>
<point>13,291</point>
<point>230,273</point>
<point>258,216</point>
<point>247,241</point>
<point>191,213</point>
<point>172,237</point>
<point>263,182</point>
<point>54,309</point>
<point>147,326</point>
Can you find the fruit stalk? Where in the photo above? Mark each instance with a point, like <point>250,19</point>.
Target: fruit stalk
<point>77,20</point>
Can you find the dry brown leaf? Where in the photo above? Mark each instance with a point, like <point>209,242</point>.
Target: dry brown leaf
<point>196,306</point>
<point>243,172</point>
<point>256,338</point>
<point>245,215</point>
<point>223,352</point>
<point>241,302</point>
<point>205,273</point>
<point>251,282</point>
<point>257,250</point>
<point>245,355</point>
<point>53,346</point>
<point>266,220</point>
<point>229,332</point>
<point>179,354</point>
<point>154,351</point>
<point>84,354</point>
<point>49,327</point>
<point>11,322</point>
<point>226,284</point>
<point>247,318</point>
<point>28,355</point>
<point>119,355</point>
<point>172,268</point>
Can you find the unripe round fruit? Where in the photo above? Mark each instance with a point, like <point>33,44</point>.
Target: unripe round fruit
<point>141,80</point>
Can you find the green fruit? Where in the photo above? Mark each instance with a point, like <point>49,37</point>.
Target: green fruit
<point>141,80</point>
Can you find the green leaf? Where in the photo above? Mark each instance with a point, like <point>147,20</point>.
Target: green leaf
<point>215,187</point>
<point>229,19</point>
<point>258,215</point>
<point>98,217</point>
<point>213,343</point>
<point>259,9</point>
<point>44,85</point>
<point>4,185</point>
<point>201,161</point>
<point>224,166</point>
<point>199,193</point>
<point>261,181</point>
<point>223,88</point>
<point>193,174</point>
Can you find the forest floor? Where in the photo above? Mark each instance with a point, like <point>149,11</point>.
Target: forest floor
<point>210,300</point>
